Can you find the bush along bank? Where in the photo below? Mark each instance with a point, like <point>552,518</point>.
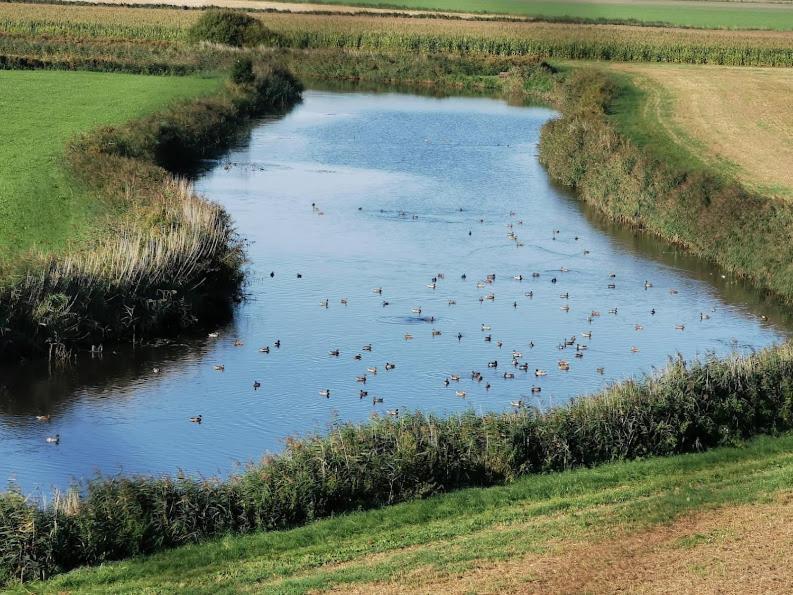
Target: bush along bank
<point>717,219</point>
<point>171,260</point>
<point>689,407</point>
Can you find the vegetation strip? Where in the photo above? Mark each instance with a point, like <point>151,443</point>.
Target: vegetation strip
<point>690,407</point>
<point>67,24</point>
<point>713,217</point>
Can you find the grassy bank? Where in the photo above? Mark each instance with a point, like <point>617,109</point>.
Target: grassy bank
<point>578,530</point>
<point>631,181</point>
<point>159,259</point>
<point>42,206</point>
<point>164,30</point>
<point>690,407</point>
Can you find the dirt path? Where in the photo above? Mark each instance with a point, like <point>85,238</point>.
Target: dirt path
<point>741,118</point>
<point>287,7</point>
<point>743,549</point>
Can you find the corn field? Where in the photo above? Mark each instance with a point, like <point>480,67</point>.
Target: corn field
<point>401,34</point>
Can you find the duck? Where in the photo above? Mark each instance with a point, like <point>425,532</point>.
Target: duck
<point>431,285</point>
<point>197,419</point>
<point>238,343</point>
<point>393,412</point>
<point>564,270</point>
<point>386,303</point>
<point>408,336</point>
<point>579,354</point>
<point>703,316</point>
<point>595,314</point>
<point>219,367</point>
<point>277,343</point>
<point>638,327</point>
<point>53,439</point>
<point>416,310</point>
<point>323,303</point>
<point>445,382</point>
<point>524,367</point>
<point>535,275</point>
<point>213,335</point>
<point>376,400</point>
<point>565,295</point>
<point>372,371</point>
<point>46,418</point>
<point>488,338</point>
<point>612,286</point>
<point>518,277</point>
<point>460,393</point>
<point>486,327</point>
<point>257,385</point>
<point>362,394</point>
<point>536,389</point>
<point>487,386</point>
<point>463,276</point>
<point>454,377</point>
<point>612,311</point>
<point>378,290</point>
<point>265,349</point>
<point>517,404</point>
<point>673,291</point>
<point>499,344</point>
<point>680,327</point>
<point>480,285</point>
<point>325,392</point>
<point>634,349</point>
<point>538,372</point>
<point>459,336</point>
<point>361,379</point>
<point>565,308</point>
<point>529,294</point>
<point>436,333</point>
<point>367,347</point>
<point>343,301</point>
<point>517,354</point>
<point>600,371</point>
<point>452,302</point>
<point>564,365</point>
<point>390,365</point>
<point>493,364</point>
<point>334,353</point>
<point>509,375</point>
<point>587,334</point>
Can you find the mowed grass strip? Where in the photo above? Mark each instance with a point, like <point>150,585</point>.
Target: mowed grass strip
<point>691,13</point>
<point>736,121</point>
<point>41,206</point>
<point>439,543</point>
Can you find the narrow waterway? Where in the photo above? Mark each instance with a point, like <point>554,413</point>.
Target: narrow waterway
<point>405,189</point>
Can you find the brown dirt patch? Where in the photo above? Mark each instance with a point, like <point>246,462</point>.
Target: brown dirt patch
<point>742,549</point>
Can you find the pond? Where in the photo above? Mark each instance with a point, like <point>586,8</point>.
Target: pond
<point>376,219</point>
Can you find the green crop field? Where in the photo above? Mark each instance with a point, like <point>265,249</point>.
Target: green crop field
<point>41,208</point>
<point>538,531</point>
<point>695,13</point>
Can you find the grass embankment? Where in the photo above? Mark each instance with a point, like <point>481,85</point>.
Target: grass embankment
<point>42,206</point>
<point>167,258</point>
<point>736,121</point>
<point>132,29</point>
<point>688,408</point>
<point>696,13</point>
<point>621,526</point>
<point>616,165</point>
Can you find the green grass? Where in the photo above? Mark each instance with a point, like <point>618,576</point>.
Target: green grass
<point>705,14</point>
<point>456,531</point>
<point>41,207</point>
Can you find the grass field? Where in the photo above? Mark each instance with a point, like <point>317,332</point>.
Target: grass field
<point>737,121</point>
<point>41,207</point>
<point>693,13</point>
<point>654,524</point>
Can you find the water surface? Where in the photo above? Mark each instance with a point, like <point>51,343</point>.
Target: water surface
<point>404,189</point>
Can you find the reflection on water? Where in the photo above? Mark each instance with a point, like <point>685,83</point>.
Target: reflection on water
<point>405,189</point>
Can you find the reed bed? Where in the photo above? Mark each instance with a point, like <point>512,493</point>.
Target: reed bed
<point>686,408</point>
<point>172,261</point>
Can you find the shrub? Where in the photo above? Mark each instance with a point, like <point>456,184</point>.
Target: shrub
<point>229,27</point>
<point>242,71</point>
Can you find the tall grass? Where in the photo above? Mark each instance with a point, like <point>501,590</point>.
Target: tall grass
<point>689,407</point>
<point>170,262</point>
